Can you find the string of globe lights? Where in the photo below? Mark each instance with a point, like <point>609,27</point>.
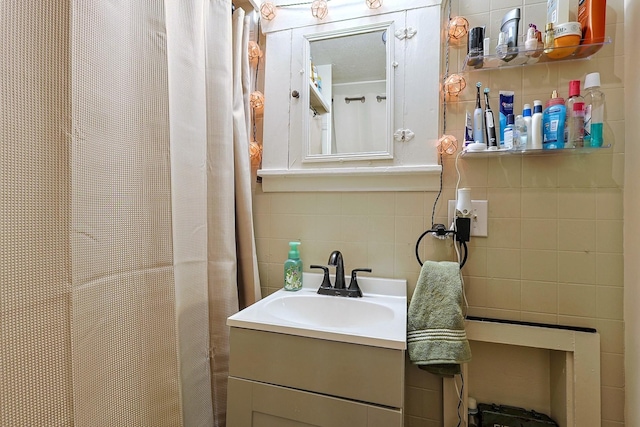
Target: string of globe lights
<point>319,8</point>
<point>256,101</point>
<point>453,84</point>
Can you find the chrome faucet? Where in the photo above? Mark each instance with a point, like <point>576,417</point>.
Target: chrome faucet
<point>335,259</point>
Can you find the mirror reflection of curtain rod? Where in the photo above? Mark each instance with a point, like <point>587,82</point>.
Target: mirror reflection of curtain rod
<point>381,97</point>
<point>360,98</point>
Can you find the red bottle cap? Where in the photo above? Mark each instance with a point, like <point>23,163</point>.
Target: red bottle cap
<point>574,88</point>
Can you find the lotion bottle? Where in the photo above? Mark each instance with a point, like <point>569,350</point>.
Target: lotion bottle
<point>293,269</point>
<point>536,126</point>
<point>526,116</point>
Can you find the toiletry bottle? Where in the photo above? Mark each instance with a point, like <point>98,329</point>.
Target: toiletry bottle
<point>502,123</point>
<point>468,129</point>
<point>575,116</point>
<point>548,38</point>
<point>520,134</point>
<point>472,408</point>
<point>525,140</point>
<point>506,108</point>
<point>509,133</point>
<point>502,48</point>
<point>535,133</point>
<point>478,133</point>
<point>540,44</point>
<point>561,11</point>
<point>475,47</point>
<point>554,117</point>
<point>293,269</point>
<point>489,123</point>
<point>591,15</point>
<point>531,44</point>
<point>509,25</point>
<point>594,111</point>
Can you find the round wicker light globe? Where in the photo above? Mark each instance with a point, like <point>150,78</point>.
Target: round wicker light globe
<point>458,27</point>
<point>374,4</point>
<point>447,144</point>
<point>454,84</point>
<point>254,51</point>
<point>256,100</point>
<point>319,9</point>
<point>268,10</point>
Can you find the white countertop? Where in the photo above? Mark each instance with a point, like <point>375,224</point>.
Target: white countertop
<point>385,300</point>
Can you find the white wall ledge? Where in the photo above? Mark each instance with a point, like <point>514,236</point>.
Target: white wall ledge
<point>390,178</point>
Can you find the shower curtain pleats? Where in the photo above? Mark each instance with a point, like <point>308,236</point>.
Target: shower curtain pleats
<point>127,233</point>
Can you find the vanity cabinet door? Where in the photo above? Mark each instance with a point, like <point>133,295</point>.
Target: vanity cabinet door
<point>254,404</point>
<point>350,371</point>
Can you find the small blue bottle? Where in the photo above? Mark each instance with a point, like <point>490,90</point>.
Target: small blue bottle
<point>293,269</point>
<point>553,119</point>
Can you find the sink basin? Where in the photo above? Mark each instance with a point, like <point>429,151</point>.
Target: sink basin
<point>378,319</point>
<point>328,310</point>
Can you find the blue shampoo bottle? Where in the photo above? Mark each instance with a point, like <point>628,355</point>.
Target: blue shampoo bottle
<point>553,120</point>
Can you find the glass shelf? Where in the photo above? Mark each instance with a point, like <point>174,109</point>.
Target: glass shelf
<point>317,101</point>
<point>524,58</point>
<point>532,152</point>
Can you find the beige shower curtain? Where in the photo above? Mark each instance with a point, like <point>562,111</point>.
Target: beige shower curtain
<point>125,224</point>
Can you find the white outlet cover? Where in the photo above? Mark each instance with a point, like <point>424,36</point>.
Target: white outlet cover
<point>479,218</point>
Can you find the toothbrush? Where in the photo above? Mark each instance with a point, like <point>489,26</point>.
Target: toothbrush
<point>478,134</point>
<point>490,126</point>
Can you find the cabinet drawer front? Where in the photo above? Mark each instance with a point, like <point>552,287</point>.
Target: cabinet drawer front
<point>352,371</point>
<point>253,404</point>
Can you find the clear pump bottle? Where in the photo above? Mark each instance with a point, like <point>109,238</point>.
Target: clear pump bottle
<point>575,116</point>
<point>594,111</point>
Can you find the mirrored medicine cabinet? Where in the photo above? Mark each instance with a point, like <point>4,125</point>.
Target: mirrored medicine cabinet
<point>352,102</point>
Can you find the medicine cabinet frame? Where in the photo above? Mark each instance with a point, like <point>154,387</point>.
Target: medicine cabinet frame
<point>416,105</point>
<point>308,91</point>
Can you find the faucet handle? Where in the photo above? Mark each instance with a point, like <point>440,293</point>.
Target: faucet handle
<point>326,283</point>
<point>353,285</point>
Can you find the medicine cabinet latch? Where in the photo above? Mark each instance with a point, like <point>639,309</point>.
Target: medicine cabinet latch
<point>403,135</point>
<point>405,33</point>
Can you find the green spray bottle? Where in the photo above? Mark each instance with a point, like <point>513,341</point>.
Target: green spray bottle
<point>293,269</point>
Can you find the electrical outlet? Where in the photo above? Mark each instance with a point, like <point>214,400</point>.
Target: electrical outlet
<point>478,219</point>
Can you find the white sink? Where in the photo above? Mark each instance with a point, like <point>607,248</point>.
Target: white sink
<point>379,318</point>
<point>328,311</point>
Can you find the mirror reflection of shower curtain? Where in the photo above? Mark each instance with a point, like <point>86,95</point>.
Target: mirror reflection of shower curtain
<point>124,156</point>
<point>359,127</point>
<point>315,133</point>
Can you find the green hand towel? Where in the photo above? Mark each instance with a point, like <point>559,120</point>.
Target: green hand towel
<point>436,339</point>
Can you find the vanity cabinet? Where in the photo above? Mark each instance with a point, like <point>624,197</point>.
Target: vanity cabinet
<point>280,380</point>
<point>410,161</point>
